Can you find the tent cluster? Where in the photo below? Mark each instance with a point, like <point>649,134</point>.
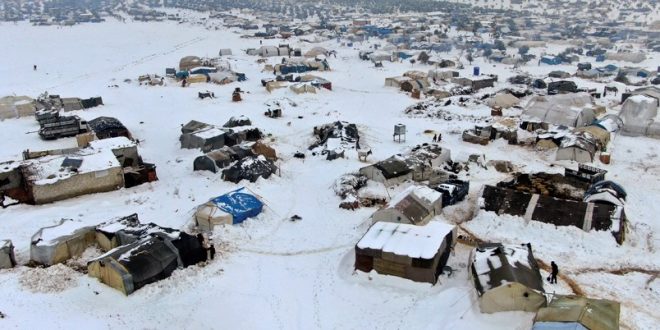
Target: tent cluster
<point>135,255</point>
<point>199,70</point>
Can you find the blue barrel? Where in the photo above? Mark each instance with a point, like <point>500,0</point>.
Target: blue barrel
<point>475,71</point>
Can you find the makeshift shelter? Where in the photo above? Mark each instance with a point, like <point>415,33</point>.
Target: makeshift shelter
<point>224,52</point>
<point>640,116</point>
<point>503,101</point>
<point>416,205</point>
<point>577,313</point>
<point>207,139</point>
<point>273,85</point>
<point>249,168</point>
<point>116,232</point>
<point>414,84</point>
<point>573,110</point>
<point>189,62</point>
<point>55,244</point>
<point>212,161</point>
<point>71,104</point>
<point>390,172</point>
<point>260,148</point>
<point>7,259</point>
<point>197,78</point>
<point>238,121</point>
<point>194,126</point>
<point>418,253</point>
<point>595,133</point>
<point>131,267</point>
<point>316,51</point>
<point>231,208</point>
<point>301,88</point>
<point>222,77</point>
<point>16,107</point>
<point>108,127</point>
<point>579,147</point>
<point>506,278</point>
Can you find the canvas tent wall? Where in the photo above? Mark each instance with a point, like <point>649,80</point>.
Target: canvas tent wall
<point>576,312</point>
<point>16,107</point>
<point>302,88</point>
<point>224,52</point>
<point>112,234</point>
<point>418,253</point>
<point>131,267</point>
<point>580,148</point>
<point>506,278</point>
<point>640,116</point>
<point>316,51</point>
<point>573,109</point>
<point>503,101</point>
<point>390,171</point>
<point>58,243</point>
<point>415,205</point>
<point>212,161</point>
<point>188,62</point>
<point>231,208</point>
<point>7,259</point>
<point>207,139</point>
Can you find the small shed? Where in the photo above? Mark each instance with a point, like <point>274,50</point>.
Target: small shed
<point>231,208</point>
<point>416,205</point>
<point>418,253</point>
<point>224,52</point>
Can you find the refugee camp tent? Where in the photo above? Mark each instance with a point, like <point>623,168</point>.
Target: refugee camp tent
<point>207,139</point>
<point>7,259</point>
<point>108,127</point>
<point>71,104</point>
<point>573,110</point>
<point>212,161</point>
<point>260,148</point>
<point>301,88</point>
<point>273,85</point>
<point>610,122</point>
<point>506,278</point>
<point>197,78</point>
<point>193,126</point>
<point>595,133</point>
<point>222,77</point>
<point>188,62</point>
<point>16,107</point>
<point>58,243</point>
<point>231,208</point>
<point>249,168</point>
<point>316,51</point>
<point>414,84</point>
<point>130,267</point>
<point>579,147</point>
<point>396,81</point>
<point>390,172</point>
<point>418,253</point>
<point>503,101</point>
<point>109,234</point>
<point>576,312</point>
<point>241,120</point>
<point>415,205</point>
<point>640,116</point>
<point>224,52</point>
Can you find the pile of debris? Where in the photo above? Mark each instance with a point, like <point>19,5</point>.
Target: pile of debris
<point>354,192</point>
<point>333,139</point>
<point>250,168</point>
<point>434,109</point>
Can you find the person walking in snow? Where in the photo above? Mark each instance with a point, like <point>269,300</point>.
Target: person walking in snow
<point>212,251</point>
<point>555,271</point>
<point>435,137</point>
<point>35,67</point>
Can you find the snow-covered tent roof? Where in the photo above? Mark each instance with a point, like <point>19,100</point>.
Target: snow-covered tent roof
<point>572,109</point>
<point>576,312</point>
<point>406,240</point>
<point>640,113</point>
<point>60,242</point>
<point>503,101</point>
<point>495,264</point>
<point>240,204</point>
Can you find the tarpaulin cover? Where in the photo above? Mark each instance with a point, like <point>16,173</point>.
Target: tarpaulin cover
<point>240,204</point>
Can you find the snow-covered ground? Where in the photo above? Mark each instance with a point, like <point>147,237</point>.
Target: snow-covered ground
<point>271,272</point>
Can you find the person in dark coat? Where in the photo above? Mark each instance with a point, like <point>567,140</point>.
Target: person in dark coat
<point>555,271</point>
<point>435,137</point>
<point>212,251</point>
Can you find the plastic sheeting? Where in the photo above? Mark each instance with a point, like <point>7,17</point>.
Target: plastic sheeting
<point>240,204</point>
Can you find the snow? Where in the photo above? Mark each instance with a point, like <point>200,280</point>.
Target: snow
<point>112,143</point>
<point>50,235</point>
<point>48,169</point>
<point>285,274</point>
<point>406,240</point>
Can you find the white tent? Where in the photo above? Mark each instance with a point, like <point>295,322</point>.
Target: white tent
<point>640,116</point>
<point>16,106</point>
<point>316,51</point>
<point>503,101</point>
<point>7,259</point>
<point>573,109</point>
<point>224,52</point>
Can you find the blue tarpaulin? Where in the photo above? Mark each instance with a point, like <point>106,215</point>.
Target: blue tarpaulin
<point>240,204</point>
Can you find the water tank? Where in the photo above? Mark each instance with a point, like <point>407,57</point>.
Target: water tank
<point>475,71</point>
<point>399,129</point>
